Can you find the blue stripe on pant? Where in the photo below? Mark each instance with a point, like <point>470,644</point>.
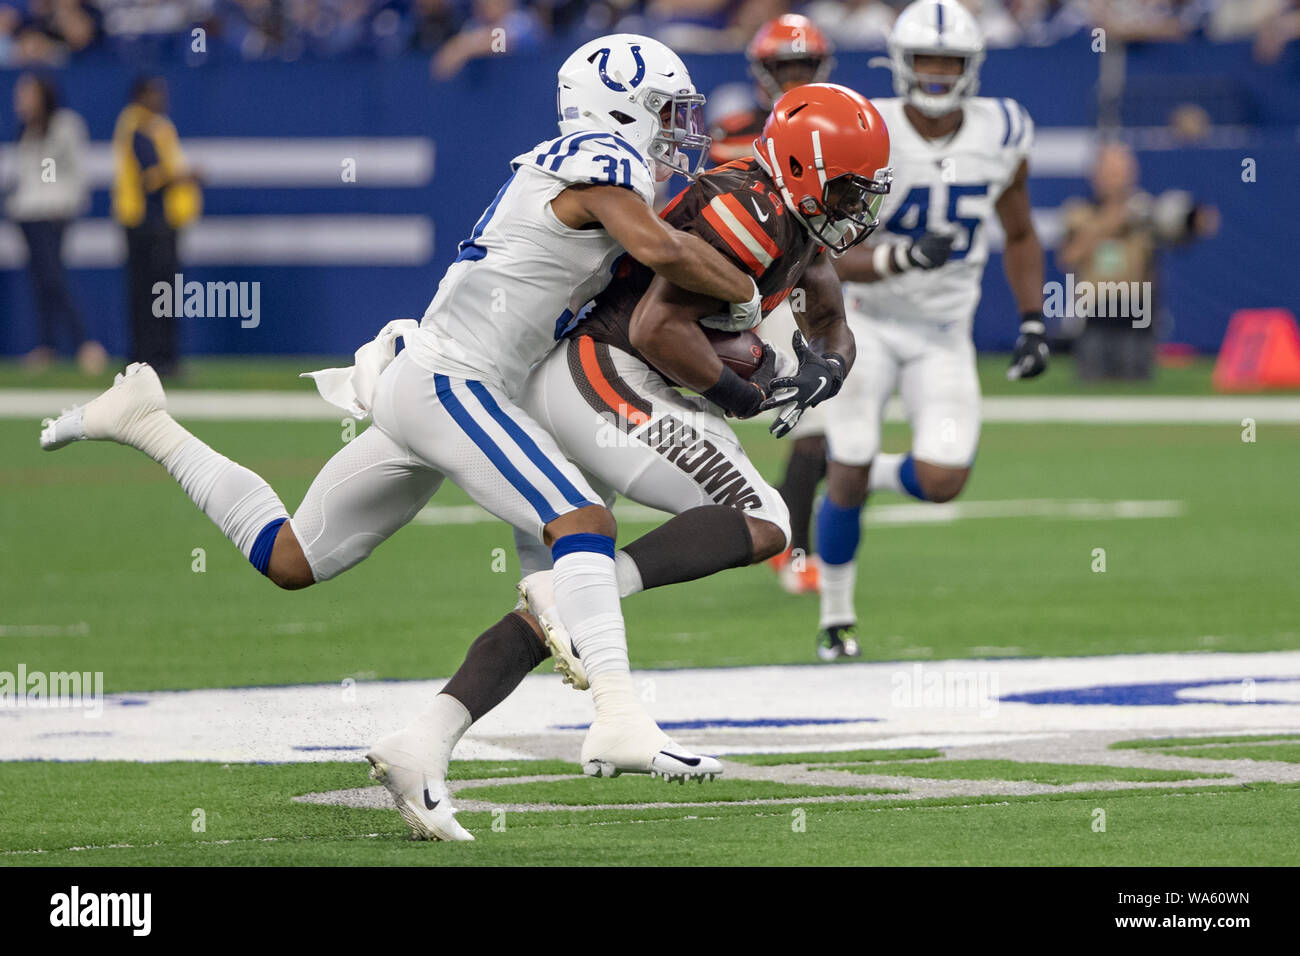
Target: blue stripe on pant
<point>490,448</point>
<point>529,447</point>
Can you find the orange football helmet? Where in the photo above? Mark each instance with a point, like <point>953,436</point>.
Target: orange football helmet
<point>827,149</point>
<point>789,39</point>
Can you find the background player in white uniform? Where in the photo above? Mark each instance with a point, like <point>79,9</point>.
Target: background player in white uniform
<point>446,406</point>
<point>959,161</point>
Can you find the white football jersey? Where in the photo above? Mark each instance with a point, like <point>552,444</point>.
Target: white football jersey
<point>940,186</point>
<point>521,278</point>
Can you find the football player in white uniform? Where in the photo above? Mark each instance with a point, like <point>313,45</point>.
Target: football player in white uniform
<point>446,407</point>
<point>612,395</point>
<point>960,161</point>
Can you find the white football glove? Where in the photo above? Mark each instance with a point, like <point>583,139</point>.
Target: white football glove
<point>743,315</point>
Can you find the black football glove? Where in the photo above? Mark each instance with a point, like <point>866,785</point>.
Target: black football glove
<point>929,252</point>
<point>818,378</point>
<point>1029,358</point>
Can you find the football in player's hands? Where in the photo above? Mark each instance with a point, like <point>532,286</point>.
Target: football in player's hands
<point>742,352</point>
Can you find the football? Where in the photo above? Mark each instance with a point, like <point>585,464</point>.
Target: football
<point>742,352</point>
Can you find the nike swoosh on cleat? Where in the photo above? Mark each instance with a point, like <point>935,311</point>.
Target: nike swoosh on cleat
<point>430,804</point>
<point>689,761</point>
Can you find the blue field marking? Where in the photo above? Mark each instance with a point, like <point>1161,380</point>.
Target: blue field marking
<point>1160,694</point>
<point>706,723</point>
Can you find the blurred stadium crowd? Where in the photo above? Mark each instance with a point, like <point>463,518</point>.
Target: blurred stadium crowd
<point>49,32</point>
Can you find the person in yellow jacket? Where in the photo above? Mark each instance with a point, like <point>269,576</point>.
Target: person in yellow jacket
<point>155,195</point>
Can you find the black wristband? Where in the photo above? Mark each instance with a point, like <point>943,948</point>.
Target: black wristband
<point>733,394</point>
<point>837,359</point>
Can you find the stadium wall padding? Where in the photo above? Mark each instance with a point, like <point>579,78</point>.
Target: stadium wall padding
<point>500,107</point>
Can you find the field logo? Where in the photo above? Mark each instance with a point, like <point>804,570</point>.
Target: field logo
<point>945,689</point>
<point>37,690</point>
<point>1102,300</point>
<point>74,909</point>
<point>208,300</point>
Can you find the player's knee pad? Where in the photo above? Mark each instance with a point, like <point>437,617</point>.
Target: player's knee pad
<point>343,554</point>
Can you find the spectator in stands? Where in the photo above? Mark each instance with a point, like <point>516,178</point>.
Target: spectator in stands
<point>10,21</point>
<point>705,26</point>
<point>433,23</point>
<point>496,27</point>
<point>999,27</point>
<point>1113,237</point>
<point>155,195</point>
<point>49,192</point>
<point>1277,32</point>
<point>854,25</point>
<point>55,29</point>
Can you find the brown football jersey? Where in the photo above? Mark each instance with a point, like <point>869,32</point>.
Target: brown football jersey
<point>737,210</point>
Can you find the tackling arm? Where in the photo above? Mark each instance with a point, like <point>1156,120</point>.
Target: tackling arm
<point>681,258</point>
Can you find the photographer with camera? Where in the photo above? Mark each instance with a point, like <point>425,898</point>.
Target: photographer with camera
<point>1111,241</point>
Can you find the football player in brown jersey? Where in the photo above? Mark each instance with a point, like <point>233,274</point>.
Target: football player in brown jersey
<point>611,394</point>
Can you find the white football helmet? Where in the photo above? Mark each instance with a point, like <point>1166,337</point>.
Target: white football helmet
<point>940,28</point>
<point>639,89</point>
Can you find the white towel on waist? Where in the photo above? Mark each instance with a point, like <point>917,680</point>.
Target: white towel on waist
<point>353,388</point>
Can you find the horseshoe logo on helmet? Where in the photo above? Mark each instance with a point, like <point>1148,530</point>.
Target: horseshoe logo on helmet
<point>614,85</point>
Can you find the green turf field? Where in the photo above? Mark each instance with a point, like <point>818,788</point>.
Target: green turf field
<point>99,542</point>
<point>57,817</point>
<point>281,372</point>
<point>106,566</point>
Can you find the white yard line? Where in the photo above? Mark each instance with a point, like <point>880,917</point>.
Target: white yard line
<point>1085,509</point>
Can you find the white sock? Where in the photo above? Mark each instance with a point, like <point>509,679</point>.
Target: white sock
<point>629,575</point>
<point>884,474</point>
<point>238,501</point>
<point>837,581</point>
<point>615,698</point>
<point>439,729</point>
<point>158,435</point>
<point>586,595</point>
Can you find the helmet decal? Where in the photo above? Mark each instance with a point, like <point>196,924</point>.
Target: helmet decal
<point>646,97</point>
<point>614,85</point>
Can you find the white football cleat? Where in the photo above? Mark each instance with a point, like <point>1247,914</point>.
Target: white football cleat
<point>420,794</point>
<point>133,411</point>
<point>537,592</point>
<point>611,750</point>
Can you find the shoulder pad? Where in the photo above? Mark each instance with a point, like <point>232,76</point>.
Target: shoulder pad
<point>592,157</point>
